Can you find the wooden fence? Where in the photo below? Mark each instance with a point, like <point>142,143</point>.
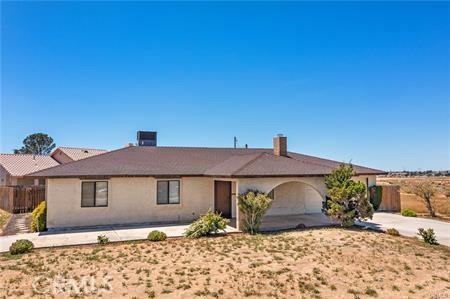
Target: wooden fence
<point>21,199</point>
<point>390,199</point>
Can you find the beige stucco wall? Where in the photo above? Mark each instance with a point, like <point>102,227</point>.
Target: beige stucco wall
<point>130,200</point>
<point>295,198</point>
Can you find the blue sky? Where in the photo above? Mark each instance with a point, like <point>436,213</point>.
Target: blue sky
<point>366,82</point>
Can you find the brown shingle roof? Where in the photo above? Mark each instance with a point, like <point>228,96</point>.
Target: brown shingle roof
<point>75,153</point>
<point>22,164</point>
<point>195,161</point>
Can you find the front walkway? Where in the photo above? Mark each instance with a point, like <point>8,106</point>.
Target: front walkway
<point>89,235</point>
<point>408,226</point>
<point>18,224</point>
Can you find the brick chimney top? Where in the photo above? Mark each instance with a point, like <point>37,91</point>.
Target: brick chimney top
<point>280,145</point>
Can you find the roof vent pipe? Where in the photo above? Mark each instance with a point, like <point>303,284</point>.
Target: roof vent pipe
<point>280,145</point>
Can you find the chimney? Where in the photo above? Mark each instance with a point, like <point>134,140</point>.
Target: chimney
<point>280,145</point>
<point>146,138</point>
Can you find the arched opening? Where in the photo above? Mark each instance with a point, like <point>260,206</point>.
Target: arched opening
<point>293,198</point>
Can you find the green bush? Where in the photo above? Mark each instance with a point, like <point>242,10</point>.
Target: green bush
<point>254,205</point>
<point>428,236</point>
<point>208,224</point>
<point>21,246</point>
<point>347,199</point>
<point>156,236</point>
<point>409,213</point>
<point>376,196</point>
<point>392,232</point>
<point>102,239</point>
<point>39,218</point>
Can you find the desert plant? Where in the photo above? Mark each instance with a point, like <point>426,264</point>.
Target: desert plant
<point>156,236</point>
<point>39,218</point>
<point>392,232</point>
<point>253,204</point>
<point>408,213</point>
<point>347,199</point>
<point>428,236</point>
<point>102,239</point>
<point>21,246</point>
<point>376,196</point>
<point>426,190</point>
<point>208,224</point>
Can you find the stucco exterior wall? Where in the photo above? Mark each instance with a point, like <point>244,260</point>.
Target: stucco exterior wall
<point>130,200</point>
<point>295,198</point>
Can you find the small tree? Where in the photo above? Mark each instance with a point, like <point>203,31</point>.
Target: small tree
<point>37,144</point>
<point>426,191</point>
<point>253,204</point>
<point>347,200</point>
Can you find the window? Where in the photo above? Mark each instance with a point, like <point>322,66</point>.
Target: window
<point>94,194</point>
<point>168,192</point>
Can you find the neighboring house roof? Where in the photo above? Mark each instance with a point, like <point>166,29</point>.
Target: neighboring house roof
<point>76,154</point>
<point>195,161</point>
<point>19,165</point>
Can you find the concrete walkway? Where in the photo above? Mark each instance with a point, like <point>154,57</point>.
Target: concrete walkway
<point>89,235</point>
<point>18,224</point>
<point>408,226</point>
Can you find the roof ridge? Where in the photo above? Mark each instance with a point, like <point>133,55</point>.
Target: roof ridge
<point>75,161</point>
<point>248,163</point>
<point>81,148</point>
<point>12,154</point>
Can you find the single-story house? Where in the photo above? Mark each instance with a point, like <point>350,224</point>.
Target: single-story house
<point>15,167</point>
<point>149,184</point>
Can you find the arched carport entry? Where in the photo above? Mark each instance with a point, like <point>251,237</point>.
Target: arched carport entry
<point>293,198</point>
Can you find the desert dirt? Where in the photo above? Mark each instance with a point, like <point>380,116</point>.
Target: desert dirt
<point>313,263</point>
<point>441,200</point>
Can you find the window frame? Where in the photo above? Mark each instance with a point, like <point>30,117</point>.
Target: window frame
<point>95,194</point>
<point>168,192</point>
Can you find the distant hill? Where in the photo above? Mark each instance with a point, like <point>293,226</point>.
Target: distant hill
<point>431,173</point>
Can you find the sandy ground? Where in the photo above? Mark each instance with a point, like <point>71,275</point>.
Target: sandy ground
<point>314,263</point>
<point>440,202</point>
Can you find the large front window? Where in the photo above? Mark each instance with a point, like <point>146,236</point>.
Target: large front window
<point>168,192</point>
<point>94,194</point>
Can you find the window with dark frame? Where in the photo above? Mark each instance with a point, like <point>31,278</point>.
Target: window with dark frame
<point>168,192</point>
<point>94,194</point>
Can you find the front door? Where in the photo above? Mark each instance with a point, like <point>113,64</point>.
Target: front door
<point>222,198</point>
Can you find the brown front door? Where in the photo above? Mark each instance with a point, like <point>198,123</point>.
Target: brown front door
<point>222,198</point>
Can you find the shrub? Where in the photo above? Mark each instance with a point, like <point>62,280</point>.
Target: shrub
<point>39,218</point>
<point>21,246</point>
<point>253,204</point>
<point>376,196</point>
<point>347,199</point>
<point>428,236</point>
<point>408,213</point>
<point>208,224</point>
<point>102,239</point>
<point>156,236</point>
<point>392,232</point>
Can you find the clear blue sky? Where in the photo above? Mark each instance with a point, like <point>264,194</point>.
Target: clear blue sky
<point>367,82</point>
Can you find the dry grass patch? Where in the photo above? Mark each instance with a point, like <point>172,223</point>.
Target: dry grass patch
<point>321,263</point>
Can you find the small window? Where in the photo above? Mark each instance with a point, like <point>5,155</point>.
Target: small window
<point>94,194</point>
<point>168,192</point>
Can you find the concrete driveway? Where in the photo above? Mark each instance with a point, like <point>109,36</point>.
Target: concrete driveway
<point>408,226</point>
<point>89,235</point>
